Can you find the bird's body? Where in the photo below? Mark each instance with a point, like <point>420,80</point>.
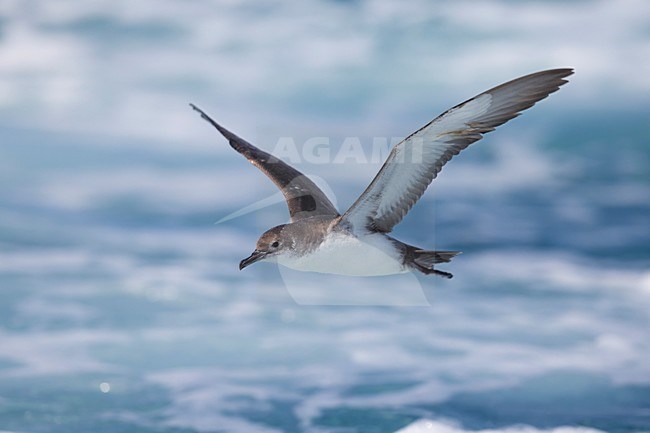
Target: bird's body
<point>343,254</point>
<point>337,251</point>
<point>319,239</point>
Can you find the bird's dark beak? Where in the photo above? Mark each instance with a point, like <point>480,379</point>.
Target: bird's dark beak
<point>256,256</point>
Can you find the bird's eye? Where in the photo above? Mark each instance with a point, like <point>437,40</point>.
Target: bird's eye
<point>275,244</point>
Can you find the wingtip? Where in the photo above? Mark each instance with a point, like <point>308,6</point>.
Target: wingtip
<point>563,73</point>
<point>566,72</point>
<point>210,120</point>
<point>560,71</point>
<point>235,141</point>
<point>201,112</point>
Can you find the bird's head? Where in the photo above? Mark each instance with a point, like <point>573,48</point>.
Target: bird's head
<point>272,243</point>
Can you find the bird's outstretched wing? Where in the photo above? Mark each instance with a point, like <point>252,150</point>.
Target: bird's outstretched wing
<point>303,197</point>
<point>416,161</point>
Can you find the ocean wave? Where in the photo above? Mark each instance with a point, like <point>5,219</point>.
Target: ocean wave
<point>226,54</point>
<point>429,426</point>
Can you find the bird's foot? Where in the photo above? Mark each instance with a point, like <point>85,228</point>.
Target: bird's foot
<point>442,273</point>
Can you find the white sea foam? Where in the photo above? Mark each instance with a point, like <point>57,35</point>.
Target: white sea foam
<point>558,269</point>
<point>446,426</point>
<point>53,353</point>
<point>170,191</point>
<point>468,341</point>
<point>513,166</point>
<point>461,344</point>
<point>129,69</point>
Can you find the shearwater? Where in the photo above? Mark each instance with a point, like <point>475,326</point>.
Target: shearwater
<point>319,239</point>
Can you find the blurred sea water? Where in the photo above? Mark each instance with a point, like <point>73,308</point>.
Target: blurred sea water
<point>121,305</point>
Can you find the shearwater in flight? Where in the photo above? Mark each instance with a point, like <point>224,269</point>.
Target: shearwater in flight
<point>319,239</point>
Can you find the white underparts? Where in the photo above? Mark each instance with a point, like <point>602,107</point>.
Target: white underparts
<point>344,254</point>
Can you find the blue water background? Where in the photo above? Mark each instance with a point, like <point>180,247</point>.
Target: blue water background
<point>121,305</point>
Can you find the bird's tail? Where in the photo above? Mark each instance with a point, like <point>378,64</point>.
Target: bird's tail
<point>430,258</point>
<point>425,260</point>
